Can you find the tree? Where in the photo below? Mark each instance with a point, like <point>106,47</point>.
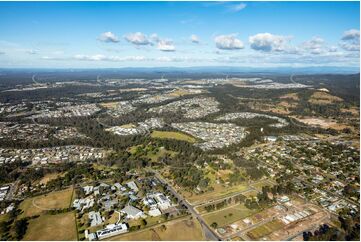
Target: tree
<point>214,225</point>
<point>20,228</point>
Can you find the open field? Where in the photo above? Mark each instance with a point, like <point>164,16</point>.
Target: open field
<point>52,227</point>
<point>54,200</point>
<point>228,215</point>
<point>184,229</point>
<point>109,105</point>
<point>219,191</point>
<point>49,177</point>
<point>128,126</point>
<point>258,185</point>
<point>153,154</point>
<point>323,98</point>
<point>265,229</point>
<point>172,135</point>
<point>293,96</point>
<point>321,122</point>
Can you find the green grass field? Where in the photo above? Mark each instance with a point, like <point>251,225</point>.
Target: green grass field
<point>59,227</point>
<point>172,135</point>
<point>265,229</point>
<point>228,215</point>
<point>54,200</point>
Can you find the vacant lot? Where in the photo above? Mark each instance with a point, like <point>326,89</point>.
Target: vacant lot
<point>219,191</point>
<point>228,215</point>
<point>265,229</point>
<point>323,98</point>
<point>54,200</point>
<point>49,177</point>
<point>184,229</point>
<point>322,122</point>
<point>52,227</point>
<point>292,96</point>
<point>110,105</point>
<point>172,135</point>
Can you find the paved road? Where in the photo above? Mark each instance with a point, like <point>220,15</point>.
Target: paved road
<point>208,232</point>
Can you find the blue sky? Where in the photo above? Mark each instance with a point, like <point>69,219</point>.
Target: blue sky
<point>151,34</point>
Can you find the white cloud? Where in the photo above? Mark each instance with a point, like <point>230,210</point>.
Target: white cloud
<point>138,38</point>
<point>166,45</point>
<point>269,42</point>
<point>351,34</point>
<point>108,37</point>
<point>228,42</point>
<point>351,40</point>
<point>237,7</point>
<point>194,39</point>
<point>314,43</point>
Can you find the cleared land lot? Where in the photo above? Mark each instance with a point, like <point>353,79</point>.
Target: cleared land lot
<point>172,135</point>
<point>323,98</point>
<point>184,229</point>
<point>228,215</point>
<point>52,227</point>
<point>54,200</point>
<point>265,229</point>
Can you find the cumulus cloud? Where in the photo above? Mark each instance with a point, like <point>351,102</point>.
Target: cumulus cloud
<point>138,38</point>
<point>351,40</point>
<point>228,42</point>
<point>194,39</point>
<point>237,7</point>
<point>166,45</point>
<point>108,37</point>
<point>351,34</point>
<point>315,45</point>
<point>269,42</point>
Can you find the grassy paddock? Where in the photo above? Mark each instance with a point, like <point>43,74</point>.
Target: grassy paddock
<point>265,229</point>
<point>228,215</point>
<point>54,200</point>
<point>184,229</point>
<point>172,135</point>
<point>59,227</point>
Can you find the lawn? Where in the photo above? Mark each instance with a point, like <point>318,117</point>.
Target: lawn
<point>172,135</point>
<point>54,200</point>
<point>265,229</point>
<point>184,229</point>
<point>52,227</point>
<point>228,215</point>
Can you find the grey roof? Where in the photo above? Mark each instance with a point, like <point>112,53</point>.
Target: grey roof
<point>132,211</point>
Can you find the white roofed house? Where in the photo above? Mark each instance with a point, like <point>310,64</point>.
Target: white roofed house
<point>132,212</point>
<point>133,186</point>
<point>162,201</point>
<point>154,212</point>
<point>111,230</point>
<point>95,218</point>
<point>88,189</point>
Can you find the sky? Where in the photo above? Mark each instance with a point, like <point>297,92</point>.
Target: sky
<point>179,34</point>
